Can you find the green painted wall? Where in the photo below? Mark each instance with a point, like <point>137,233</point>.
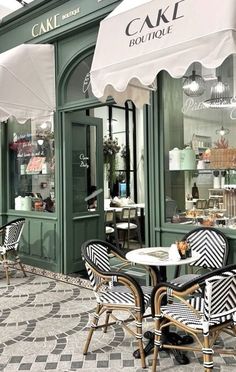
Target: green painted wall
<point>45,21</point>
<point>46,238</point>
<point>52,241</point>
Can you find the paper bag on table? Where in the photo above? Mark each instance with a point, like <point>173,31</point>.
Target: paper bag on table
<point>174,253</point>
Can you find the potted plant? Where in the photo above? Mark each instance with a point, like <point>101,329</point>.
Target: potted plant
<point>110,149</point>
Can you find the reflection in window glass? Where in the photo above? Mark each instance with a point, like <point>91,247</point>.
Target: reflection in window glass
<point>78,86</point>
<point>31,165</point>
<point>84,172</point>
<point>199,140</point>
<point>120,125</point>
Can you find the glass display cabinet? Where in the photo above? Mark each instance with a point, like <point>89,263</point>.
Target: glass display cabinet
<point>200,154</point>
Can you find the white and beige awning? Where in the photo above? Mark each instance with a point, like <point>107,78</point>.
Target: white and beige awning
<point>142,37</point>
<point>27,82</point>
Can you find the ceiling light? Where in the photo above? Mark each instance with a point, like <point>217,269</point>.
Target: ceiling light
<point>220,87</point>
<point>45,125</point>
<point>194,85</point>
<point>222,131</point>
<point>220,96</point>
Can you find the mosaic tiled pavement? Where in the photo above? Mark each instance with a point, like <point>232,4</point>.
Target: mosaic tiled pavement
<point>43,328</point>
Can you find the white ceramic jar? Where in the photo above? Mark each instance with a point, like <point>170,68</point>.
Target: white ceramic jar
<point>201,164</point>
<point>45,168</point>
<point>27,203</point>
<point>188,159</point>
<point>174,159</point>
<point>18,203</point>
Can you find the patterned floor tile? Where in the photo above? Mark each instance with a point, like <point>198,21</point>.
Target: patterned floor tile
<point>43,326</point>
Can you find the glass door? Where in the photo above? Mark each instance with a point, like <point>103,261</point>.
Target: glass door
<point>83,185</point>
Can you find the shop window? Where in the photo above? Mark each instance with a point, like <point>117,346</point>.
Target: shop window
<point>78,85</point>
<point>31,166</point>
<point>120,169</point>
<point>200,150</point>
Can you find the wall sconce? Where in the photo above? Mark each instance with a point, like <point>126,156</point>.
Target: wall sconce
<point>194,85</point>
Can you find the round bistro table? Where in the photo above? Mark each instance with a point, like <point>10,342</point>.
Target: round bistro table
<point>159,257</point>
<point>155,256</point>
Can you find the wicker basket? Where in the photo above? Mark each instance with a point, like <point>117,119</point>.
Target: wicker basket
<point>223,159</point>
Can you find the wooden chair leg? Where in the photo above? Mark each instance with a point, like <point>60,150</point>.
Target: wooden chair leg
<point>139,237</point>
<point>128,237</point>
<point>156,343</point>
<point>124,239</point>
<point>233,327</point>
<point>92,328</point>
<point>108,313</point>
<point>139,336</point>
<point>154,360</point>
<point>207,355</point>
<point>17,258</point>
<point>5,266</point>
<point>138,231</point>
<point>116,237</point>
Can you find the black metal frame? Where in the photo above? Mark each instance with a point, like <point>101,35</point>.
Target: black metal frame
<point>127,170</point>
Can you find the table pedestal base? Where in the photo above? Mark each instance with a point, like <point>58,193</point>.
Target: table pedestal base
<point>167,338</point>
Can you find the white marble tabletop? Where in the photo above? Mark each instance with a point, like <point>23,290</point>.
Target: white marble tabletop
<point>117,209</point>
<point>149,256</point>
<point>137,205</point>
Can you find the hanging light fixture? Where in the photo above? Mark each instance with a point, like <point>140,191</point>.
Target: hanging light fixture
<point>222,131</point>
<point>194,85</point>
<point>220,96</point>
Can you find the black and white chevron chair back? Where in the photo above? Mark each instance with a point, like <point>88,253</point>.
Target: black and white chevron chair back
<point>98,254</point>
<point>220,297</point>
<point>211,244</point>
<point>12,234</point>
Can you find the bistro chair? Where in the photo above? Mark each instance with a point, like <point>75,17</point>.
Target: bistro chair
<point>201,204</point>
<point>213,203</point>
<point>10,238</point>
<point>110,226</point>
<point>216,312</point>
<point>129,222</point>
<point>213,247</point>
<point>115,290</point>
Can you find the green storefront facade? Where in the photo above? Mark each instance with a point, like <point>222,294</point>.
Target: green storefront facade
<point>52,240</point>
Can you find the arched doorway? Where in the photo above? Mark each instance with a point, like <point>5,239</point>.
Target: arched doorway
<point>86,124</point>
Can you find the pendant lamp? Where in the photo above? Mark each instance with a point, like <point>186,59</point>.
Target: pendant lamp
<point>194,85</point>
<point>222,131</point>
<point>220,95</point>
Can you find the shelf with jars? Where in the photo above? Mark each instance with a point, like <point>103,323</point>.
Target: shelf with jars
<point>211,200</point>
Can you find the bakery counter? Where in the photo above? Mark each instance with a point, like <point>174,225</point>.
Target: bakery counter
<point>205,217</point>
